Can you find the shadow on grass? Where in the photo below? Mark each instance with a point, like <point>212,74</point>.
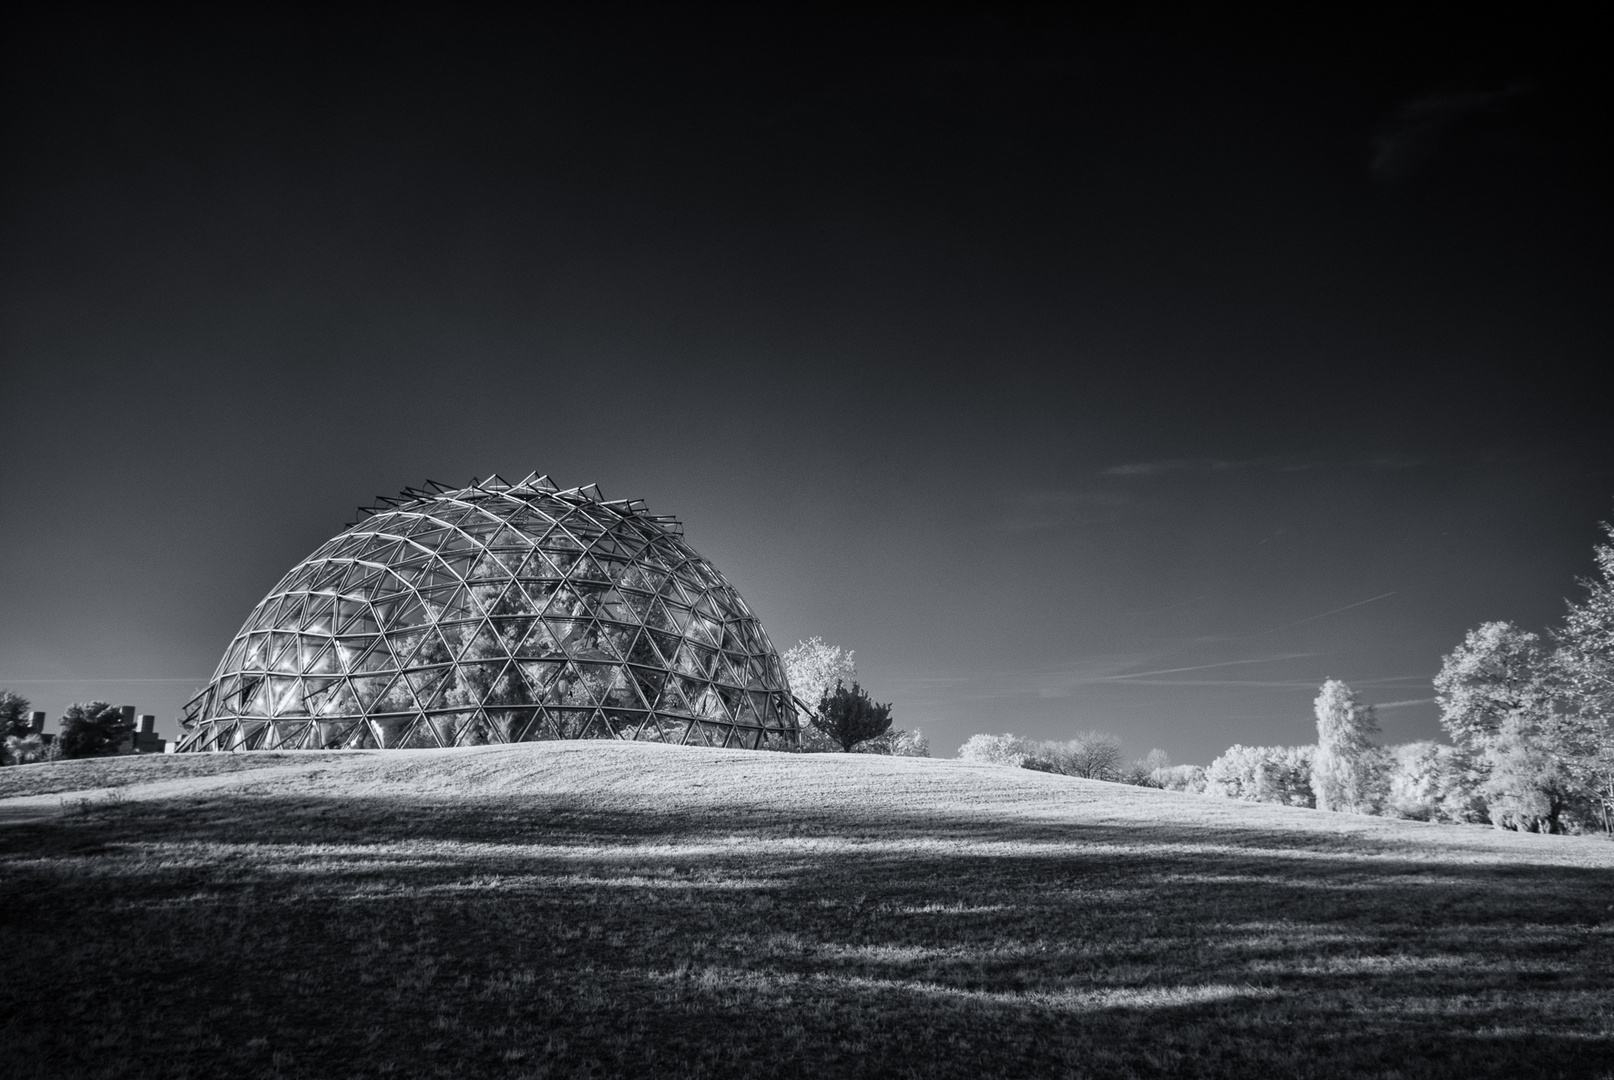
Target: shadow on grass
<point>319,936</point>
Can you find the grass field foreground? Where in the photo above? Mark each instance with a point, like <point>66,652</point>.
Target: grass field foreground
<point>559,909</point>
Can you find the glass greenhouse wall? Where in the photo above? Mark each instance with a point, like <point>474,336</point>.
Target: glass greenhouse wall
<point>492,613</point>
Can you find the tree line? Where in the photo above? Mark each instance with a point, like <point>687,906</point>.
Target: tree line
<point>1530,717</point>
<point>88,729</point>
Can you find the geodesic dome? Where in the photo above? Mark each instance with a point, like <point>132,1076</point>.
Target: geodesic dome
<point>497,612</point>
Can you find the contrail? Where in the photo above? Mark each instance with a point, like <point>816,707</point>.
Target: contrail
<point>1221,682</point>
<point>1324,615</point>
<point>1206,667</point>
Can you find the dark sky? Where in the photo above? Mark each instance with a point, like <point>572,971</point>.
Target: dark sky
<point>1133,375</point>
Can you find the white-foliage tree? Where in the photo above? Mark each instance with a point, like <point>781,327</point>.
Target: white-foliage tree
<point>1005,749</point>
<point>1093,755</point>
<point>1528,788</point>
<point>1190,778</point>
<point>1431,781</point>
<point>1145,772</point>
<point>813,668</point>
<point>1499,694</point>
<point>1585,662</point>
<point>21,750</point>
<point>1270,774</point>
<point>15,724</point>
<point>1498,672</point>
<point>1347,768</point>
<point>909,744</point>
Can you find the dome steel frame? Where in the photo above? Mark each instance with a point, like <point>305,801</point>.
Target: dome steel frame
<point>497,612</point>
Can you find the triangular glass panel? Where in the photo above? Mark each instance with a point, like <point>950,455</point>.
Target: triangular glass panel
<point>324,661</point>
<point>594,727</point>
<point>638,604</point>
<point>586,569</point>
<point>570,723</point>
<point>334,734</point>
<point>291,611</point>
<point>477,641</point>
<point>622,692</point>
<point>588,644</point>
<point>424,681</point>
<point>489,598</point>
<point>487,567</point>
<point>679,615</point>
<point>232,658</point>
<point>428,648</point>
<point>656,618</point>
<point>376,657</point>
<point>517,723</point>
<point>673,700</point>
<point>338,702</point>
<point>410,613</point>
<point>704,631</point>
<point>539,641</point>
<point>388,554</point>
<point>537,565</point>
<point>619,639</point>
<point>282,653</point>
<point>429,535</point>
<point>368,690</point>
<point>641,650</point>
<point>564,603</point>
<point>358,580</point>
<point>511,630</point>
<point>458,563</point>
<point>478,681</point>
<point>286,697</point>
<point>613,605</point>
<point>540,675</point>
<point>324,581</point>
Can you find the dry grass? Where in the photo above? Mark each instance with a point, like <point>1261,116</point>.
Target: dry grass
<point>605,909</point>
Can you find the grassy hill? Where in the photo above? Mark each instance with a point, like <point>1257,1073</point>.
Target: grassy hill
<point>559,909</point>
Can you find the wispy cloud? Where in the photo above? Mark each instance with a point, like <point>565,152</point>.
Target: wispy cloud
<point>1173,465</point>
<point>1389,460</point>
<point>1168,607</point>
<point>1395,461</point>
<point>1421,125</point>
<point>1402,704</point>
<point>1033,510</point>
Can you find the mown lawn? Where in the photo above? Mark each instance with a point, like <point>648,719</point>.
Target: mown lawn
<point>603,909</point>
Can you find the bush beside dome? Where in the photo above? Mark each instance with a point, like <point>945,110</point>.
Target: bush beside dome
<point>498,612</point>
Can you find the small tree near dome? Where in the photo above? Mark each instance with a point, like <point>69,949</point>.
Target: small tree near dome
<point>849,716</point>
<point>812,668</point>
<point>93,729</point>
